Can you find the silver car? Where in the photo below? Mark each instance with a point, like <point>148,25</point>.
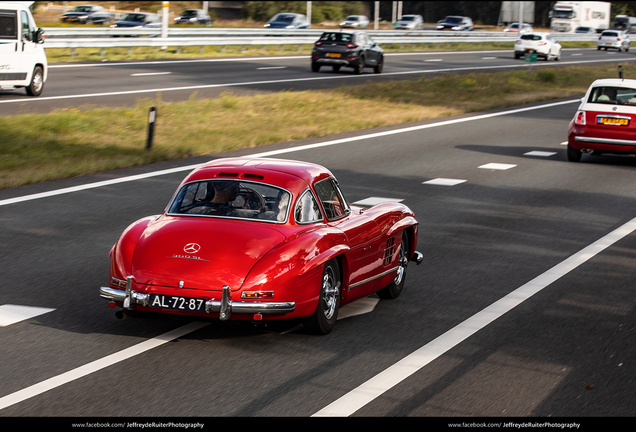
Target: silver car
<point>355,21</point>
<point>409,22</point>
<point>614,39</point>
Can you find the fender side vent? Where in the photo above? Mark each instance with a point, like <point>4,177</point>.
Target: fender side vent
<point>388,251</point>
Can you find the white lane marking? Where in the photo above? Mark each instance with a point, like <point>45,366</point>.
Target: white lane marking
<point>11,314</point>
<point>271,67</point>
<point>488,58</point>
<point>279,152</point>
<point>387,379</point>
<point>150,74</point>
<point>540,153</point>
<point>97,365</point>
<point>444,182</point>
<point>371,201</point>
<point>564,143</point>
<point>577,54</point>
<point>434,60</point>
<point>359,307</point>
<point>497,166</point>
<point>250,83</point>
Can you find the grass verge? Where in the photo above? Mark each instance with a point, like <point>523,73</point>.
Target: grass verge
<point>85,139</point>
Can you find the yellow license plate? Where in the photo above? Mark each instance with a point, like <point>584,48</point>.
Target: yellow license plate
<point>333,55</point>
<point>613,121</point>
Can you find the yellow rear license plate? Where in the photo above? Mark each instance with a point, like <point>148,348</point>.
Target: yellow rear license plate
<point>333,55</point>
<point>613,121</point>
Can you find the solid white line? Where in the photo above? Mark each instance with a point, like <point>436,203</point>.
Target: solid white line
<point>11,314</point>
<point>97,365</point>
<point>150,74</point>
<point>376,386</point>
<point>318,78</point>
<point>279,152</point>
<point>271,67</point>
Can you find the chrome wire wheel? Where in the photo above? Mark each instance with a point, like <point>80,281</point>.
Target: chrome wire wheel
<point>330,292</point>
<point>323,320</point>
<point>403,262</point>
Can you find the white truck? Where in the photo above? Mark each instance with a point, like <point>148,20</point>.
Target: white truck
<point>22,58</point>
<point>568,16</point>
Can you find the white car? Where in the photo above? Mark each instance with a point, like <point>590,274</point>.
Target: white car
<point>542,44</point>
<point>355,21</point>
<point>409,22</point>
<point>614,39</point>
<point>514,28</point>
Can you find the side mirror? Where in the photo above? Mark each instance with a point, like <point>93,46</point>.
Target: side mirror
<point>38,36</point>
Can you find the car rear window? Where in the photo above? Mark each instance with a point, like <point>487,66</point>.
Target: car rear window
<point>612,34</point>
<point>531,37</point>
<point>235,199</point>
<point>337,37</point>
<point>613,95</point>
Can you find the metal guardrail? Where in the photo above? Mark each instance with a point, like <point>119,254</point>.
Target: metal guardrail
<point>116,37</point>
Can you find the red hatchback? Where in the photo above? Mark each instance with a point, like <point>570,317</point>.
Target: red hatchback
<point>605,121</point>
<point>261,239</point>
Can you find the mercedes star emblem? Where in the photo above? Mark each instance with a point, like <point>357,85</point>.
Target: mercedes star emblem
<point>192,248</point>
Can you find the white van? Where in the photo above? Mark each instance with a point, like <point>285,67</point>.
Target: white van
<point>22,58</point>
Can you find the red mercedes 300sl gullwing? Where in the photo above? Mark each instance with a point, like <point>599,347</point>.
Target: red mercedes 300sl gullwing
<point>261,239</point>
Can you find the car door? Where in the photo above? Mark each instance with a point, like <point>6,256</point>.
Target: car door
<point>9,43</point>
<point>367,45</point>
<point>363,233</point>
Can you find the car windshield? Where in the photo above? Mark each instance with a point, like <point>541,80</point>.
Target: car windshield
<point>189,13</point>
<point>613,95</point>
<point>531,37</point>
<point>232,199</point>
<point>351,18</point>
<point>81,9</point>
<point>337,37</point>
<point>133,17</point>
<point>283,18</point>
<point>453,20</point>
<point>407,18</point>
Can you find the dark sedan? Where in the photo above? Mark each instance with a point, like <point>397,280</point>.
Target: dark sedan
<point>349,49</point>
<point>87,14</point>
<point>138,19</point>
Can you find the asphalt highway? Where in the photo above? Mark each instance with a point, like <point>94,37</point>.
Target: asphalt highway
<point>125,83</point>
<point>524,306</point>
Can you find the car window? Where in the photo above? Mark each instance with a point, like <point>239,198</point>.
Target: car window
<point>333,203</point>
<point>307,209</point>
<point>336,37</point>
<point>8,24</point>
<point>611,34</point>
<point>613,95</point>
<point>232,199</point>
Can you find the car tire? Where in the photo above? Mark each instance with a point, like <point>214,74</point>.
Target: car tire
<point>378,68</point>
<point>394,289</point>
<point>323,320</point>
<point>359,69</point>
<point>315,67</point>
<point>37,82</point>
<point>574,155</point>
<point>558,56</point>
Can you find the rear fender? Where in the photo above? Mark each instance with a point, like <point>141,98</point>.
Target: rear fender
<point>122,252</point>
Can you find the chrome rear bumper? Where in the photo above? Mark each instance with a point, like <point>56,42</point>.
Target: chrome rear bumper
<point>224,307</point>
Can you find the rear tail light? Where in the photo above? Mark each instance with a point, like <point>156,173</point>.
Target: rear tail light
<point>318,43</point>
<point>618,39</point>
<point>579,118</point>
<point>352,46</point>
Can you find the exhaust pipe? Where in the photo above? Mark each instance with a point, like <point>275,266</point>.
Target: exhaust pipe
<point>586,150</point>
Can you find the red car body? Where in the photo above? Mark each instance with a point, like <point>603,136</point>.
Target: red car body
<point>605,121</point>
<point>288,246</point>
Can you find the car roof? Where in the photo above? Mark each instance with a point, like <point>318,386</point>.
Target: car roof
<point>272,171</point>
<point>614,82</point>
